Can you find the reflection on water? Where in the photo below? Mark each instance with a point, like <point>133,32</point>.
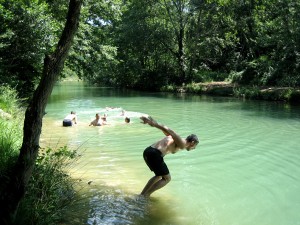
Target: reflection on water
<point>244,171</point>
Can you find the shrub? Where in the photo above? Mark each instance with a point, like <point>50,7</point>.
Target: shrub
<point>208,76</point>
<point>193,88</point>
<point>168,88</point>
<point>50,189</point>
<point>247,92</point>
<point>8,100</point>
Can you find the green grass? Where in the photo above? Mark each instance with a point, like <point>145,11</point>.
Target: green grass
<point>10,142</point>
<point>10,130</point>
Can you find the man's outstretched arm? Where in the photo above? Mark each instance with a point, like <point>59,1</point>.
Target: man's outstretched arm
<point>166,130</point>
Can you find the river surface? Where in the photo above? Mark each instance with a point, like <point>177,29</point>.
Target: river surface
<point>244,171</point>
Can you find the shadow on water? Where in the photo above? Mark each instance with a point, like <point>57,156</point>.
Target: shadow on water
<point>103,205</point>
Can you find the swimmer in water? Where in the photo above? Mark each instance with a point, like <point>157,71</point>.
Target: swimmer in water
<point>70,119</point>
<point>96,121</point>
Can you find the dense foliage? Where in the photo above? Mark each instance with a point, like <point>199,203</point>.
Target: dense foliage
<point>149,44</point>
<point>26,33</point>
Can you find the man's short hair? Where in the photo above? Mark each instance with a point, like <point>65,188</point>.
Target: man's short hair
<point>192,138</point>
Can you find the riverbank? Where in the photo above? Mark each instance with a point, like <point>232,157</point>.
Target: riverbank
<point>286,94</point>
<point>228,89</point>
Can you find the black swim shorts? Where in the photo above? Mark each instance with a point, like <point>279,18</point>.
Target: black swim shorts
<point>67,123</point>
<point>155,161</point>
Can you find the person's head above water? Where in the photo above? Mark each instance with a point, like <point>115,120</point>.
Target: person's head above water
<point>192,141</point>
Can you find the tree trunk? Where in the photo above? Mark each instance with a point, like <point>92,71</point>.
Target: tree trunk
<point>180,54</point>
<point>53,65</point>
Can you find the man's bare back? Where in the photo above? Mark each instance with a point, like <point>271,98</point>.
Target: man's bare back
<point>166,145</point>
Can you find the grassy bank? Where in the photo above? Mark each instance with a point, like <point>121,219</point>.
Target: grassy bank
<point>287,94</point>
<point>50,189</point>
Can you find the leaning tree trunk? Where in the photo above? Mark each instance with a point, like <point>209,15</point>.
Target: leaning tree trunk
<point>53,65</point>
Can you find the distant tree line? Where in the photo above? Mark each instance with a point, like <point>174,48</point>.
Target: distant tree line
<point>147,44</point>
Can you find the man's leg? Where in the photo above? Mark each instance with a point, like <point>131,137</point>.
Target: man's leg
<point>150,183</point>
<point>155,183</point>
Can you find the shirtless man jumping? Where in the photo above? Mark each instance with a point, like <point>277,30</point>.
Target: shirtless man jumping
<point>153,155</point>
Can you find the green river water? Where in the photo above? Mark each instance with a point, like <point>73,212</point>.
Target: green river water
<point>244,171</point>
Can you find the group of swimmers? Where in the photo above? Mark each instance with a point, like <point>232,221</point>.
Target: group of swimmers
<point>153,154</point>
<point>99,120</point>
